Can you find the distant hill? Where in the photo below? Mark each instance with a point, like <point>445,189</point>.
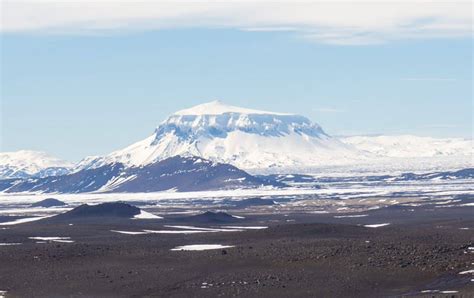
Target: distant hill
<point>449,175</point>
<point>101,210</point>
<point>177,173</point>
<point>50,202</point>
<point>253,202</point>
<point>211,217</point>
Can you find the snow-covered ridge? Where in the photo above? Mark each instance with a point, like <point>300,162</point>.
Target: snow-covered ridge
<point>409,146</point>
<point>26,163</point>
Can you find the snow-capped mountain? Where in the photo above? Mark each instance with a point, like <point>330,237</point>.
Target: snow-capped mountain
<point>25,163</point>
<point>245,138</point>
<point>260,142</point>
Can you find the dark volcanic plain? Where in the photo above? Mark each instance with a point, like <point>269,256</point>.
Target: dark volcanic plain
<point>299,255</point>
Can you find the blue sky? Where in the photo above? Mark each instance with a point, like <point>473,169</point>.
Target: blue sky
<point>76,94</point>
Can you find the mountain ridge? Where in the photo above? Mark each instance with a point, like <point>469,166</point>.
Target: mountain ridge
<point>28,163</point>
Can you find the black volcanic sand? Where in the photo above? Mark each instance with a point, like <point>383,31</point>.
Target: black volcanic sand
<point>423,250</point>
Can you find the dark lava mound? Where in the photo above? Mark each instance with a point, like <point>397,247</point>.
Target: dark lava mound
<point>211,217</point>
<point>102,210</point>
<point>254,202</point>
<point>48,203</point>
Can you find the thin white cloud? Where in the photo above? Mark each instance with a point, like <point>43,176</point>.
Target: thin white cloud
<point>440,126</point>
<point>429,79</point>
<point>328,110</point>
<point>335,22</point>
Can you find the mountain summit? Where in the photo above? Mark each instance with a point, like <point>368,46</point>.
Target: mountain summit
<point>248,139</point>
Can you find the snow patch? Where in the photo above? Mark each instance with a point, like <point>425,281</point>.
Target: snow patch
<point>146,215</point>
<point>377,225</point>
<point>177,231</point>
<point>129,232</point>
<point>23,220</point>
<point>355,215</point>
<point>245,228</point>
<point>53,239</point>
<point>199,247</point>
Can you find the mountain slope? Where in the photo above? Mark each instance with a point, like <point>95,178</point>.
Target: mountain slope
<point>177,173</point>
<point>248,139</point>
<point>27,163</point>
<point>82,181</point>
<point>188,174</point>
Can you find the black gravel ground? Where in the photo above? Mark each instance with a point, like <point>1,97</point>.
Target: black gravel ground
<point>311,257</point>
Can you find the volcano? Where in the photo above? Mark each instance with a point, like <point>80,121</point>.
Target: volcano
<point>248,139</point>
